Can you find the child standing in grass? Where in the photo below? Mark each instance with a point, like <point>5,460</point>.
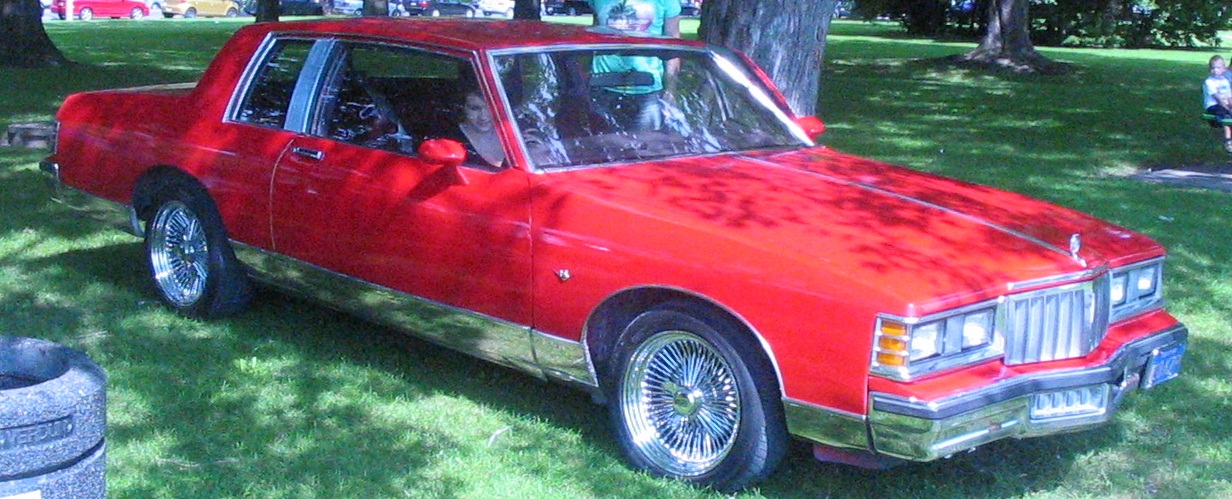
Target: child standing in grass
<point>1217,98</point>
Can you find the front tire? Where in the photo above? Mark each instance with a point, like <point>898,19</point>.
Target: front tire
<point>190,13</point>
<point>86,14</point>
<point>693,397</point>
<point>136,13</point>
<point>190,259</point>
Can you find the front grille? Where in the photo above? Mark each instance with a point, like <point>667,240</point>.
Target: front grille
<point>1064,322</point>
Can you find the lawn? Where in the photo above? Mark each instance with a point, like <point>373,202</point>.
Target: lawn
<point>295,400</point>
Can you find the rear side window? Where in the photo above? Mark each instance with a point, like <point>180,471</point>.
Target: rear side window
<point>270,90</point>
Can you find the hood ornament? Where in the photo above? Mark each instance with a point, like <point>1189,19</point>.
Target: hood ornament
<point>1075,245</point>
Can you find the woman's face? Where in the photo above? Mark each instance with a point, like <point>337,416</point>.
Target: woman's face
<point>475,111</point>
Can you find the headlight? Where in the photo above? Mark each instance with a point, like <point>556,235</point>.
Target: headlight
<point>1136,288</point>
<point>906,348</point>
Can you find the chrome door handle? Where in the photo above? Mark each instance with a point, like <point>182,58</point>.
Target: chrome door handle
<point>308,153</point>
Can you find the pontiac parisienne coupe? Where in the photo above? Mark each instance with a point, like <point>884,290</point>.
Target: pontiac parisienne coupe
<point>648,221</point>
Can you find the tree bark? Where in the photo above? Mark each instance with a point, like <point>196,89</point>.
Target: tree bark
<point>787,38</point>
<point>526,9</point>
<point>1007,41</point>
<point>23,41</point>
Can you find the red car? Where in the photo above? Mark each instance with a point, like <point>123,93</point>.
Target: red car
<point>90,9</point>
<point>552,198</point>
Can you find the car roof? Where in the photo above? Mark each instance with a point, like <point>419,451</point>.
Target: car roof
<point>469,34</point>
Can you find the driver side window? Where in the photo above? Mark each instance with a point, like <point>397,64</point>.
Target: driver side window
<point>391,98</point>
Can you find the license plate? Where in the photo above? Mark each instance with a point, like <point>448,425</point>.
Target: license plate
<point>1165,364</point>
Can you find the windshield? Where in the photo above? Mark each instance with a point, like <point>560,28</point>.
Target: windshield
<point>579,107</point>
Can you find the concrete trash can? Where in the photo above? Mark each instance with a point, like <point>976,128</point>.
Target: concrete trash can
<point>53,412</point>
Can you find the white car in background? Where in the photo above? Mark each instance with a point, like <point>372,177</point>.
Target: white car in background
<point>502,7</point>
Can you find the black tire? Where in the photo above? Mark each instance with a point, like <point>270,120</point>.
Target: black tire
<point>52,410</point>
<point>190,13</point>
<point>232,13</point>
<point>136,13</point>
<point>86,14</point>
<point>659,407</point>
<point>190,259</point>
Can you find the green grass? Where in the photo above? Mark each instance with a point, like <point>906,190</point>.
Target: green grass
<point>294,400</point>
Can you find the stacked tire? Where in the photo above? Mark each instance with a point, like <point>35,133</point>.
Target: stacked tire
<point>52,419</point>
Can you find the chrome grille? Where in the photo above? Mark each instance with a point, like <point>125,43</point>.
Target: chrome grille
<point>1064,322</point>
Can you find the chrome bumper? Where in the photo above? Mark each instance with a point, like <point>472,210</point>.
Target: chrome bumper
<point>923,431</point>
<point>108,212</point>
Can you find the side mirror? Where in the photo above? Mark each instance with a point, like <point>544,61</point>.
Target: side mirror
<point>812,126</point>
<point>448,153</point>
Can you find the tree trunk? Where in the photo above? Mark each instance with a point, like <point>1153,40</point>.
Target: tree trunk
<point>23,42</point>
<point>527,9</point>
<point>1007,41</point>
<point>787,38</point>
<point>267,11</point>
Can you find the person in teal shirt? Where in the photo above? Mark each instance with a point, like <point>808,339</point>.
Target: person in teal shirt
<point>639,106</point>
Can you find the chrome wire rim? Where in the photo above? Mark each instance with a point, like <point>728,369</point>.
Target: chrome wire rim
<point>680,403</point>
<point>179,254</point>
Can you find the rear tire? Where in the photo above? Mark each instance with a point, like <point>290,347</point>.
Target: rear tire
<point>693,397</point>
<point>86,14</point>
<point>190,259</point>
<point>190,13</point>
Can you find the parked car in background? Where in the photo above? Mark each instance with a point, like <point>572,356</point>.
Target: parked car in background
<point>348,7</point>
<point>90,9</point>
<point>708,270</point>
<point>437,8</point>
<point>496,7</point>
<point>201,8</point>
<point>690,8</point>
<point>567,7</point>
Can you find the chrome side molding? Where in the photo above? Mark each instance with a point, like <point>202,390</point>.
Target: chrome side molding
<point>485,337</point>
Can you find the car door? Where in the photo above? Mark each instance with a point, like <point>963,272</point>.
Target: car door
<point>109,8</point>
<point>353,196</point>
<point>216,7</point>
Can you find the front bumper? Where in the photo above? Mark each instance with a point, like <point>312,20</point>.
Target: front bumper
<point>1022,407</point>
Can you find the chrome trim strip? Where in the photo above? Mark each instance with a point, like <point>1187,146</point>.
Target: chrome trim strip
<point>826,426</point>
<point>925,430</point>
<point>563,359</point>
<point>482,336</point>
<point>311,78</point>
<point>1058,279</point>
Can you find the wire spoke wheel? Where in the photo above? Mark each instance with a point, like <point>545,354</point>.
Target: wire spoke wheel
<point>681,403</point>
<point>179,254</point>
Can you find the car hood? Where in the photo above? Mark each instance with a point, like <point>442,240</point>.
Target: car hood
<point>929,241</point>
